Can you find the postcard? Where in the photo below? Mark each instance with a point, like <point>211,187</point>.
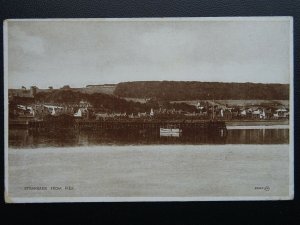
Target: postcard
<point>148,109</point>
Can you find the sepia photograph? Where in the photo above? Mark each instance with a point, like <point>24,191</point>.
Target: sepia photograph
<point>148,109</point>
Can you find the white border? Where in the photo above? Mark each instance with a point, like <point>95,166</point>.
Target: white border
<point>291,152</point>
<point>9,199</point>
<point>5,48</point>
<point>140,199</point>
<point>165,19</point>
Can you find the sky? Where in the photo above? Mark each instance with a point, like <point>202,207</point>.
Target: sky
<point>79,53</point>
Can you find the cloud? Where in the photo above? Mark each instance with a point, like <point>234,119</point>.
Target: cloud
<point>29,44</point>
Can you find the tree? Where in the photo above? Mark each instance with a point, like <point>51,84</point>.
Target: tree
<point>66,87</point>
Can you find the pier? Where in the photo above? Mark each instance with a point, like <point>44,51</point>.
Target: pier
<point>128,125</point>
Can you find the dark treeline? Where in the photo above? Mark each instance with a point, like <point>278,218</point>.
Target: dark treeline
<point>185,90</point>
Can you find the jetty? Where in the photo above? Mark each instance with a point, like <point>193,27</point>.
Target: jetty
<point>128,125</point>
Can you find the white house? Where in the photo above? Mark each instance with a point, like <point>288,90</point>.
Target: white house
<point>52,108</point>
<point>244,112</point>
<point>151,112</point>
<point>80,112</point>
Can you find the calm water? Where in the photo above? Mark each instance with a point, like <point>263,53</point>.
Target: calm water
<point>23,138</point>
<point>147,171</point>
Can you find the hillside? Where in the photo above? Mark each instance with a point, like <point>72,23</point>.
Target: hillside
<point>101,101</point>
<point>109,103</point>
<point>192,90</point>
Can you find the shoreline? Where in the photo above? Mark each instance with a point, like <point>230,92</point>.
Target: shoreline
<point>250,127</point>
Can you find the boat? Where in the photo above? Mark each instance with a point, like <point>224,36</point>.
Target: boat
<point>170,130</point>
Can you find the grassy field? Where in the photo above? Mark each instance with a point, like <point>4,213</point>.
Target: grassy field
<point>240,102</point>
<point>224,102</point>
<point>140,100</point>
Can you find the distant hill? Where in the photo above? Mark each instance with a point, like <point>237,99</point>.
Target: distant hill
<point>102,88</point>
<point>191,90</point>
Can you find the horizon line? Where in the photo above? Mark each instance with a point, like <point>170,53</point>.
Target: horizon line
<point>107,84</point>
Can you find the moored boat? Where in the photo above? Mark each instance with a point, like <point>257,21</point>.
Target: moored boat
<point>170,130</point>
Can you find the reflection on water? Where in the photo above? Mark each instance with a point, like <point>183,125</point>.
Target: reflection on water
<point>258,136</point>
<point>23,138</point>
